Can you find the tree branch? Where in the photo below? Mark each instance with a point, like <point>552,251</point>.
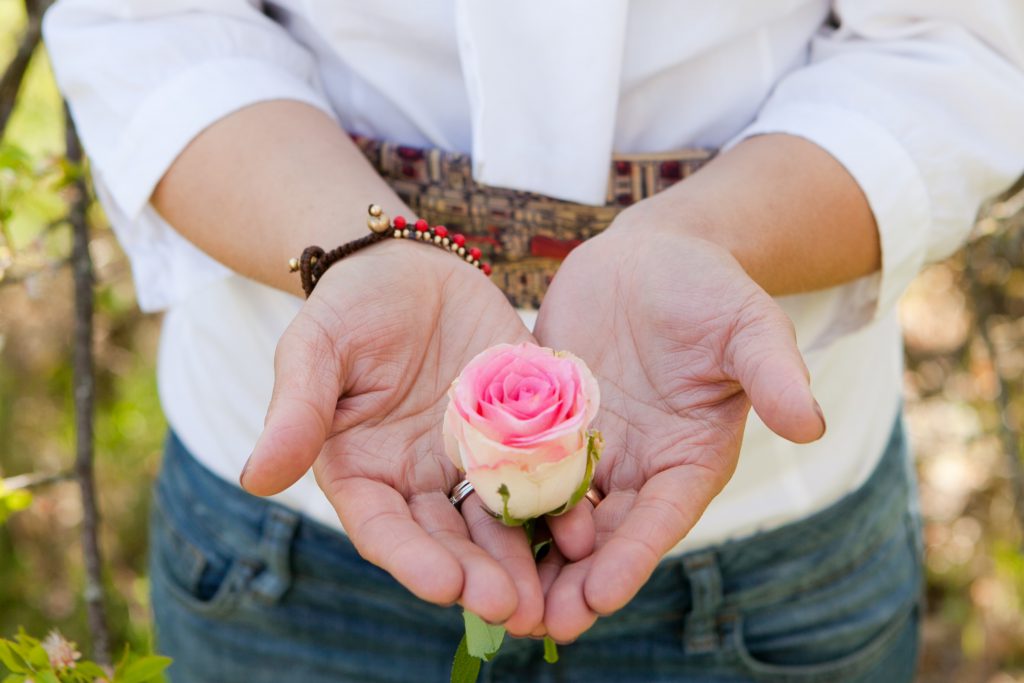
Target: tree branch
<point>85,390</point>
<point>10,82</point>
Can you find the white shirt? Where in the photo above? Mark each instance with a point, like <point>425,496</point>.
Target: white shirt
<point>921,100</point>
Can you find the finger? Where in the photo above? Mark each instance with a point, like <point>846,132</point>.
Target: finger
<point>641,529</point>
<point>566,611</point>
<point>307,383</point>
<point>511,550</point>
<point>573,532</point>
<point>380,525</point>
<point>768,365</point>
<point>549,567</point>
<point>488,590</point>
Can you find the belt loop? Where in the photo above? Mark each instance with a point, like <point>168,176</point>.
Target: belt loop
<point>275,550</point>
<point>700,628</point>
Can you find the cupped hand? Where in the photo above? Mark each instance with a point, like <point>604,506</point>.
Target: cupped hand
<point>682,342</point>
<point>360,386</point>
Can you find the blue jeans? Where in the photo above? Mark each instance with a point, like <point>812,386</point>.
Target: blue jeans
<point>247,591</point>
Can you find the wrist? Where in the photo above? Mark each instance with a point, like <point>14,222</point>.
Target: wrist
<point>315,261</point>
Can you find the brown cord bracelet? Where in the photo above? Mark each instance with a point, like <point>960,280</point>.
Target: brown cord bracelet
<point>314,261</point>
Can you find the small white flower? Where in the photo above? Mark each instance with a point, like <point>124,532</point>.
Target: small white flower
<point>60,651</point>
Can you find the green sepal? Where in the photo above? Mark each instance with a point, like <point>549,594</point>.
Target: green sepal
<point>506,517</point>
<point>550,650</point>
<point>482,639</point>
<point>595,444</point>
<point>465,667</point>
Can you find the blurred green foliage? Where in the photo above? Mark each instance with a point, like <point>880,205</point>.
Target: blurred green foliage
<point>57,660</point>
<point>41,573</point>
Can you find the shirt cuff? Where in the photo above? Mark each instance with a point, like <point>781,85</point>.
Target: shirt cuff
<point>177,112</point>
<point>885,172</point>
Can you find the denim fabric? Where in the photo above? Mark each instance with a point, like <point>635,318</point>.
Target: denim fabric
<point>247,591</point>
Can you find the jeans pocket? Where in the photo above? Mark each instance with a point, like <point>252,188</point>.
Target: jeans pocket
<point>840,630</point>
<point>200,574</point>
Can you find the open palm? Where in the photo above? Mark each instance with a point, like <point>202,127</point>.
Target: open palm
<point>682,342</point>
<point>361,377</point>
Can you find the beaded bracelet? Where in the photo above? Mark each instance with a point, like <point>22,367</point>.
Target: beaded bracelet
<point>314,261</point>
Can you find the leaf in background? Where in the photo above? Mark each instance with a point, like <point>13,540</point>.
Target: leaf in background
<point>144,669</point>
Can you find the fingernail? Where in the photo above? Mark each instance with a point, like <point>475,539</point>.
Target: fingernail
<point>245,470</point>
<point>821,416</point>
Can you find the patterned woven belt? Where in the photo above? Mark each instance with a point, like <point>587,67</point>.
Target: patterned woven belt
<point>524,235</point>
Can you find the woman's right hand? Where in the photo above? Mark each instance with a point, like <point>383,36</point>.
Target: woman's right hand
<point>361,376</point>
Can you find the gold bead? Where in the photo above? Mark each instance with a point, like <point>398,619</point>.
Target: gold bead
<point>378,225</point>
<point>405,233</point>
<point>293,264</point>
<point>397,233</point>
<point>375,210</point>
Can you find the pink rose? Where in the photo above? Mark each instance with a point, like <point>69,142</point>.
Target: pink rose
<point>517,423</point>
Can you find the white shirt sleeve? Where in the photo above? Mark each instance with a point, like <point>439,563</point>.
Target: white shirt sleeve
<point>143,78</point>
<point>922,101</point>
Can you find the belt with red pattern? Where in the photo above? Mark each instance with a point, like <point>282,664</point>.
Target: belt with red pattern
<point>523,235</point>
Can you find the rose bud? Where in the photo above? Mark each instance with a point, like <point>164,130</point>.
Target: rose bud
<point>516,424</point>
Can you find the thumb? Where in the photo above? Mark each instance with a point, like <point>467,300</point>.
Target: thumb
<point>308,378</point>
<point>763,354</point>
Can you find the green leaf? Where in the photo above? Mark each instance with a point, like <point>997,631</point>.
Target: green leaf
<point>91,671</point>
<point>144,669</point>
<point>7,658</point>
<point>550,650</point>
<point>123,663</point>
<point>13,678</point>
<point>38,658</point>
<point>465,667</point>
<point>47,677</point>
<point>14,658</point>
<point>482,639</point>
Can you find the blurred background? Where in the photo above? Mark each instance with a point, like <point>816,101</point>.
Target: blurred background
<point>964,392</point>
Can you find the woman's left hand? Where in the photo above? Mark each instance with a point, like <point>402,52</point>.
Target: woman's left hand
<point>682,342</point>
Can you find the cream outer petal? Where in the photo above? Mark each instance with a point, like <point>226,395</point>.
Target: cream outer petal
<point>531,493</point>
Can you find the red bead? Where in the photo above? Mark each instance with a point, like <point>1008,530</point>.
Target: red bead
<point>440,231</point>
<point>458,239</point>
<point>399,222</point>
<point>475,253</point>
<point>421,225</point>
<point>486,267</point>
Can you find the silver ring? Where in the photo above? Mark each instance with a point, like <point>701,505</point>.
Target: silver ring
<point>594,496</point>
<point>460,493</point>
